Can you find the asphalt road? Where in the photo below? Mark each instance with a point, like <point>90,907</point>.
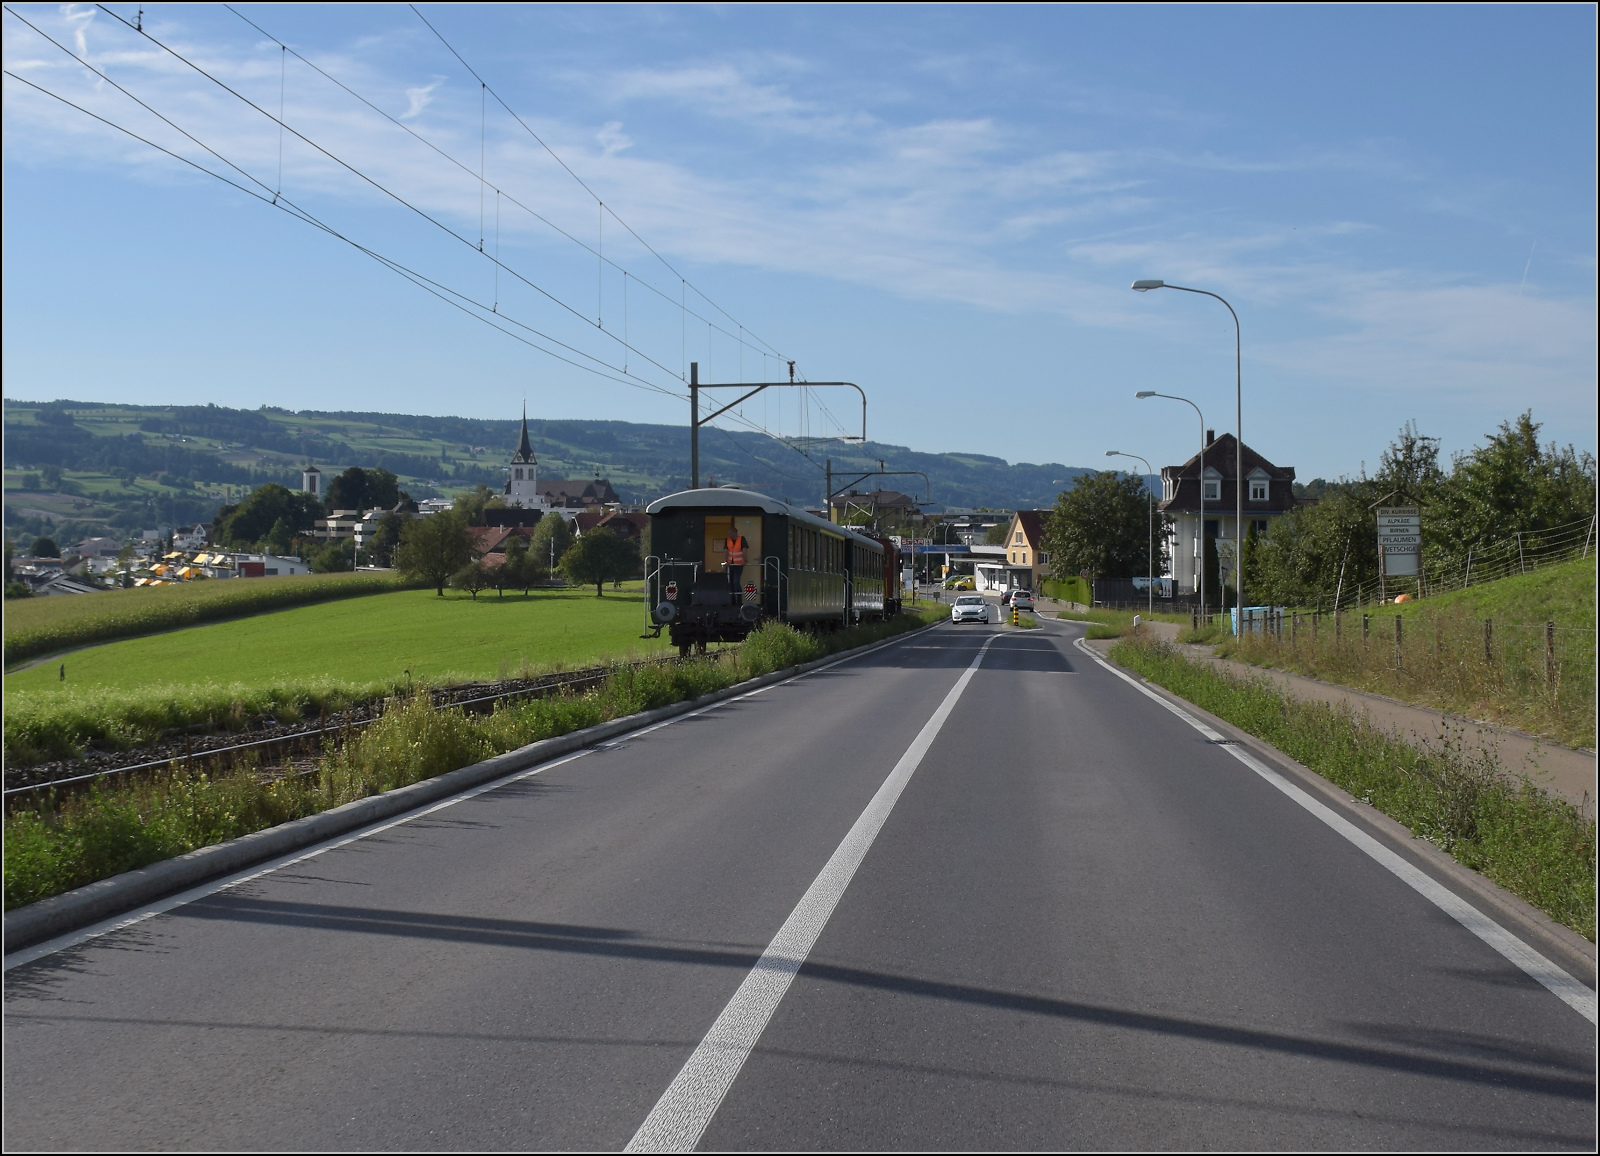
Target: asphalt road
<point>1080,926</point>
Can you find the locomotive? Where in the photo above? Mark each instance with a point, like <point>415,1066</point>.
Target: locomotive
<point>725,560</point>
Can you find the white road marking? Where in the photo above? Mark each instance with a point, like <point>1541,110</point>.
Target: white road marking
<point>172,902</point>
<point>685,1109</point>
<point>1564,986</point>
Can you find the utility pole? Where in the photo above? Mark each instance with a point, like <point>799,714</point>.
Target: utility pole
<point>694,425</point>
<point>827,492</point>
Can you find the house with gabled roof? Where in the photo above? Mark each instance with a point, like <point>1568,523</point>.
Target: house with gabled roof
<point>1200,498</point>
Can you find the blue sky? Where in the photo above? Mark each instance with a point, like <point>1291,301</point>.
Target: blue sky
<point>944,204</point>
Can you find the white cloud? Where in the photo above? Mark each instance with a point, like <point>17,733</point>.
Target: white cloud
<point>419,99</point>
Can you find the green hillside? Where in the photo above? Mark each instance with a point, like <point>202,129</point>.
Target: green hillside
<point>77,468</point>
<point>1563,594</point>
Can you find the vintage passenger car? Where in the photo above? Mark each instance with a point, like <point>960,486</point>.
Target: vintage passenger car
<point>797,568</point>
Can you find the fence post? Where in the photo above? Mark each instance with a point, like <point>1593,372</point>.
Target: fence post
<point>1398,653</point>
<point>1366,627</point>
<point>1338,625</point>
<point>1488,640</point>
<point>1550,656</point>
<point>1294,628</point>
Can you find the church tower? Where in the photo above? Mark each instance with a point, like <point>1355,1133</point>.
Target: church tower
<point>522,483</point>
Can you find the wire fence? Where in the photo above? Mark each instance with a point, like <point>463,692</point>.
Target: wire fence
<point>1538,677</point>
<point>1459,568</point>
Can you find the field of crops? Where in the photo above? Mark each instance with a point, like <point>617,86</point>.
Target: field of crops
<point>36,626</point>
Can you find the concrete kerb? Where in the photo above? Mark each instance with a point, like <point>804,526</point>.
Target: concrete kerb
<point>1563,945</point>
<point>72,910</point>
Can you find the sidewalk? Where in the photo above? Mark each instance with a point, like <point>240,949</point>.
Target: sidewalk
<point>1567,773</point>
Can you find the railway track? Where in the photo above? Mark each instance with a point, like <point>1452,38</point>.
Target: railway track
<point>295,743</point>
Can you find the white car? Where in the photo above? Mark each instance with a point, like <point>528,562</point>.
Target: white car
<point>969,608</point>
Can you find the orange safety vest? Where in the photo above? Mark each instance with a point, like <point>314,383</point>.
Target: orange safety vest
<point>735,546</point>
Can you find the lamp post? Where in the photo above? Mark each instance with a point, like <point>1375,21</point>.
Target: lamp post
<point>1150,529</point>
<point>1200,583</point>
<point>1238,446</point>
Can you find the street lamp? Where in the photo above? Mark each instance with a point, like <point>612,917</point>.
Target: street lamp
<point>1200,584</point>
<point>1238,448</point>
<point>1150,529</point>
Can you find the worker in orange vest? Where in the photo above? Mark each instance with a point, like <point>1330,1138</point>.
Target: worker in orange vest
<point>733,562</point>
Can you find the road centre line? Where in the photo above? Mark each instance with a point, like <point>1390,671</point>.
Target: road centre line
<point>227,882</point>
<point>1561,984</point>
<point>682,1114</point>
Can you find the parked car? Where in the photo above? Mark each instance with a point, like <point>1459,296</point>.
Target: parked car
<point>964,582</point>
<point>969,608</point>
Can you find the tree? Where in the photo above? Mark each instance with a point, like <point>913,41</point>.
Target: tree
<point>551,539</point>
<point>472,578</point>
<point>256,516</point>
<point>474,502</point>
<point>334,558</point>
<point>996,535</point>
<point>45,548</point>
<point>278,539</point>
<point>359,489</point>
<point>600,557</point>
<point>379,549</point>
<point>1101,525</point>
<point>434,548</point>
<point>521,568</point>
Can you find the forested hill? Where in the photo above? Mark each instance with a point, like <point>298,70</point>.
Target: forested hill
<point>128,466</point>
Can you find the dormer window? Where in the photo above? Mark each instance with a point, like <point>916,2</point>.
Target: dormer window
<point>1258,485</point>
<point>1213,486</point>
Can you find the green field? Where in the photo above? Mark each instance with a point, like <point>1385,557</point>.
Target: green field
<point>376,638</point>
<point>36,626</point>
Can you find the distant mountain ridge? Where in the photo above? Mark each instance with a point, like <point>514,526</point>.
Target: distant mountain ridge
<point>215,444</point>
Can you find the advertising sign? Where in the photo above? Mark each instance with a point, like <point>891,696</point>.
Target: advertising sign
<point>1400,540</point>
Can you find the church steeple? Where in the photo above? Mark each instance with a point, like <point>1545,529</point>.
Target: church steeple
<point>524,447</point>
<point>522,475</point>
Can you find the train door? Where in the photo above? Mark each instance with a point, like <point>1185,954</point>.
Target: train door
<point>718,528</point>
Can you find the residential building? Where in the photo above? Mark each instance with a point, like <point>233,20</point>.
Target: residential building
<point>430,506</point>
<point>490,543</point>
<point>578,493</point>
<point>1022,560</point>
<point>1268,494</point>
<point>621,524</point>
<point>191,537</point>
<point>341,524</point>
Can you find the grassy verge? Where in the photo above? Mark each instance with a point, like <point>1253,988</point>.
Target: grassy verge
<point>36,626</point>
<point>1538,847</point>
<point>1515,674</point>
<point>54,845</point>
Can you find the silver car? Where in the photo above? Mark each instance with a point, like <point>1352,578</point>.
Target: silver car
<point>1021,600</point>
<point>969,608</point>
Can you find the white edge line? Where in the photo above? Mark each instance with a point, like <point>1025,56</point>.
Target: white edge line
<point>172,902</point>
<point>680,1117</point>
<point>1561,984</point>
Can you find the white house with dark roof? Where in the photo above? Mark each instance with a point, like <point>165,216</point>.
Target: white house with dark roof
<point>1199,496</point>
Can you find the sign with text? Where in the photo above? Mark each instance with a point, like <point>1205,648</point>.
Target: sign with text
<point>1400,540</point>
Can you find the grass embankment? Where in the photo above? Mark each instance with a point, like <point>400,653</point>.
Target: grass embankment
<point>1445,657</point>
<point>1538,847</point>
<point>300,660</point>
<point>1116,623</point>
<point>36,626</point>
<point>52,846</point>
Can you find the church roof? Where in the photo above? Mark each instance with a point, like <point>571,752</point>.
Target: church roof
<point>524,447</point>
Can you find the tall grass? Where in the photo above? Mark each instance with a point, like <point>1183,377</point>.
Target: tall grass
<point>38,626</point>
<point>1447,660</point>
<point>53,845</point>
<point>1458,797</point>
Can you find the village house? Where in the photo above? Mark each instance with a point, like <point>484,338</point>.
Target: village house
<point>1024,563</point>
<point>1185,489</point>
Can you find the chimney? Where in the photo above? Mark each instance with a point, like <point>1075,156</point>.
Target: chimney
<point>1211,436</point>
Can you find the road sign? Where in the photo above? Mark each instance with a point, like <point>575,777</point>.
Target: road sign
<point>1400,540</point>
